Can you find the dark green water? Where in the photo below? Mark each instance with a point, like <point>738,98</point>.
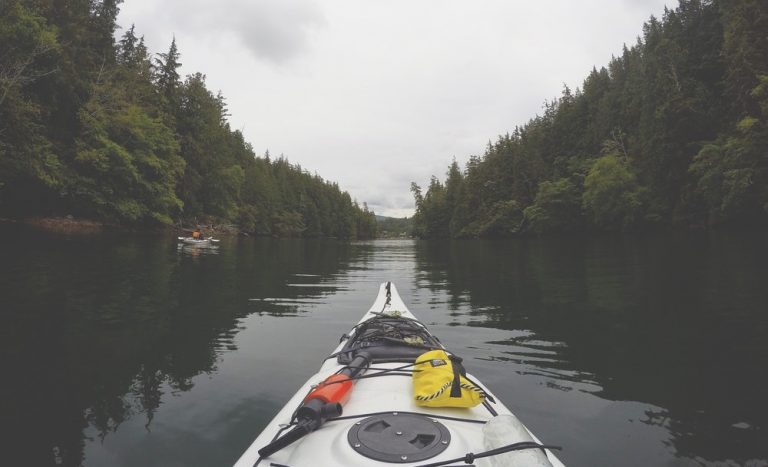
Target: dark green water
<point>123,351</point>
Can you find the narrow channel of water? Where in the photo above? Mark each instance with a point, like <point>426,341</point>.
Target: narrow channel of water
<point>132,351</point>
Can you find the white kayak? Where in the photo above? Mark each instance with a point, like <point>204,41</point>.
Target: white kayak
<point>196,241</point>
<point>380,422</point>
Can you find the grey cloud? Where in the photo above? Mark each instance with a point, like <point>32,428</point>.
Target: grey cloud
<point>277,30</point>
<point>384,200</point>
<point>398,201</point>
<point>649,4</point>
<point>271,30</point>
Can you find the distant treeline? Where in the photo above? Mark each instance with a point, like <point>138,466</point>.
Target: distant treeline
<point>101,129</point>
<point>673,132</point>
<point>394,227</point>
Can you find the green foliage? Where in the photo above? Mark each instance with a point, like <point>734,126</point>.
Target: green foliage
<point>97,128</point>
<point>688,102</point>
<point>557,207</point>
<point>367,227</point>
<point>732,174</point>
<point>29,168</point>
<point>504,219</point>
<point>433,217</point>
<point>167,75</point>
<point>419,228</point>
<point>127,162</point>
<point>287,224</point>
<point>611,194</point>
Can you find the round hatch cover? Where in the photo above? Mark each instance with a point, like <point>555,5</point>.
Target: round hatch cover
<point>399,437</point>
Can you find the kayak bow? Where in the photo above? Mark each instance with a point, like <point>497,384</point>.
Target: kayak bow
<point>383,423</point>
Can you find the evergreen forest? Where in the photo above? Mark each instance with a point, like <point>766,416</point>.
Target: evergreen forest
<point>101,128</point>
<point>673,132</point>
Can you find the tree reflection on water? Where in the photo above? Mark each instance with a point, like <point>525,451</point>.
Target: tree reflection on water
<point>100,329</point>
<point>611,344</point>
<point>676,322</point>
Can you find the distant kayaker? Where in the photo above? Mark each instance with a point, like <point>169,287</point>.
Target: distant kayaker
<point>197,235</point>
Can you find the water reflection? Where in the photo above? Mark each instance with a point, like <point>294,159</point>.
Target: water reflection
<point>130,351</point>
<point>101,331</point>
<point>677,323</point>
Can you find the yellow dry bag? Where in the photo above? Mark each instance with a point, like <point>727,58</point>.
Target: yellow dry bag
<point>438,382</point>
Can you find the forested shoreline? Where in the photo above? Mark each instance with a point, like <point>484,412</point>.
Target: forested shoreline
<point>673,132</point>
<point>103,129</point>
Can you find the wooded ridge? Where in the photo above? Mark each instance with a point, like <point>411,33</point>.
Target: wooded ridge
<point>674,131</point>
<point>102,129</point>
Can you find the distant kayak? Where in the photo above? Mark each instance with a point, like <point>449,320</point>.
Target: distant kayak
<point>195,241</point>
<point>406,401</point>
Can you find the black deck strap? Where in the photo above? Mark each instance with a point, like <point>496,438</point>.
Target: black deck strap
<point>334,355</point>
<point>490,408</point>
<point>458,370</point>
<point>428,415</point>
<point>370,368</point>
<point>406,344</point>
<point>381,316</point>
<point>381,370</point>
<point>382,328</point>
<point>397,371</point>
<point>470,456</point>
<point>277,435</point>
<point>404,370</point>
<point>383,373</point>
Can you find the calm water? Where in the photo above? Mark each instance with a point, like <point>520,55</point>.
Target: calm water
<point>122,351</point>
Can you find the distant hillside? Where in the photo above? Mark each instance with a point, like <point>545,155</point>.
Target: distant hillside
<point>674,131</point>
<point>108,131</point>
<point>394,227</point>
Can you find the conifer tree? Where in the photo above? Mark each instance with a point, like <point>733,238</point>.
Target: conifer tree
<point>168,79</point>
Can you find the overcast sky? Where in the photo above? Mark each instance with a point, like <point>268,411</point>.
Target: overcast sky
<point>374,94</point>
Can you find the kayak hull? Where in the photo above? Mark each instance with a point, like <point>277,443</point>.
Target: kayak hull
<point>331,445</point>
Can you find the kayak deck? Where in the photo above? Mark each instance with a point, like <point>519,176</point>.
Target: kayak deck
<point>391,394</point>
